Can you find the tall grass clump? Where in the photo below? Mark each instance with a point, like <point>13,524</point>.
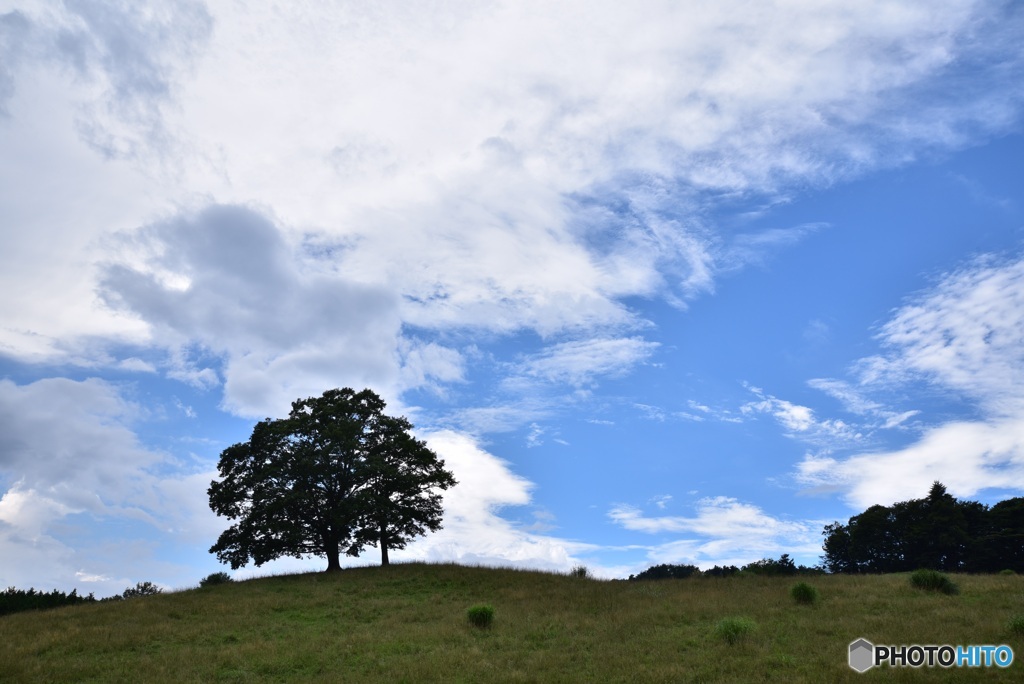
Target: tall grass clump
<point>933,580</point>
<point>580,571</point>
<point>481,616</point>
<point>1007,571</point>
<point>1016,625</point>
<point>804,593</point>
<point>732,630</point>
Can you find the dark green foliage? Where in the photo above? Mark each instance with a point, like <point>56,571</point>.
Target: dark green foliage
<point>721,571</point>
<point>1015,625</point>
<point>481,616</point>
<point>141,589</point>
<point>804,593</point>
<point>937,532</point>
<point>732,630</point>
<point>215,578</point>
<point>667,571</point>
<point>767,566</point>
<point>17,600</point>
<point>333,477</point>
<point>1007,571</point>
<point>933,580</point>
<point>580,571</point>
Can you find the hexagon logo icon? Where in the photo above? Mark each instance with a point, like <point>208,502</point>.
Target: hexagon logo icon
<point>862,655</point>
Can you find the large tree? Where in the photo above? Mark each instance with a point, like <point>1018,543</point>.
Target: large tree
<point>334,475</point>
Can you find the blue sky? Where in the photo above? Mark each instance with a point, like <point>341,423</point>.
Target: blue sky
<point>660,283</point>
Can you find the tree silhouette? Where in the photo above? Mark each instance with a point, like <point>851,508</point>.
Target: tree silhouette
<point>333,476</point>
<point>938,532</point>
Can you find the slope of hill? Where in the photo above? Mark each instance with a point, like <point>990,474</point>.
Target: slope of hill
<point>407,623</point>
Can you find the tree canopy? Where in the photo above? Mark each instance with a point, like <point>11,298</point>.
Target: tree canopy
<point>938,532</point>
<point>334,476</point>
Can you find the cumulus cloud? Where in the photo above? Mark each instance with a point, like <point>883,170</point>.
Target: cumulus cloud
<point>474,531</point>
<point>963,336</point>
<point>71,466</point>
<point>285,326</point>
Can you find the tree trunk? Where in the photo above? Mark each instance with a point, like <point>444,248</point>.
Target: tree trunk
<point>333,558</point>
<point>383,548</point>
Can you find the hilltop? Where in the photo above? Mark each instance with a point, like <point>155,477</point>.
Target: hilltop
<point>407,623</point>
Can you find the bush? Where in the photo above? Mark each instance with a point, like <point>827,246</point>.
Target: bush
<point>215,578</point>
<point>1016,625</point>
<point>1007,571</point>
<point>480,616</point>
<point>580,571</point>
<point>933,580</point>
<point>734,629</point>
<point>141,589</point>
<point>802,592</point>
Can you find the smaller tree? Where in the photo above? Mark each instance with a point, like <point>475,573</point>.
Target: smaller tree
<point>400,497</point>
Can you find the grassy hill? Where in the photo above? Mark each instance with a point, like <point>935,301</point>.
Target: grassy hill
<point>407,623</point>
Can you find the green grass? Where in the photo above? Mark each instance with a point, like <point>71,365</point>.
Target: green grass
<point>408,623</point>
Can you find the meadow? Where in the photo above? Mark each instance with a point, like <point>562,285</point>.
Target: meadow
<point>408,623</point>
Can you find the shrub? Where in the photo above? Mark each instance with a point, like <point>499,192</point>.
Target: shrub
<point>933,580</point>
<point>1016,625</point>
<point>580,571</point>
<point>802,592</point>
<point>480,616</point>
<point>141,589</point>
<point>215,578</point>
<point>1007,571</point>
<point>734,629</point>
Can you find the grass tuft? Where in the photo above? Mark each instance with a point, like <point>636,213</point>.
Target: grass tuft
<point>580,571</point>
<point>481,616</point>
<point>933,580</point>
<point>804,593</point>
<point>1016,625</point>
<point>732,630</point>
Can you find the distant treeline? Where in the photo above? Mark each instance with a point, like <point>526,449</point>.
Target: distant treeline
<point>937,532</point>
<point>17,600</point>
<point>766,566</point>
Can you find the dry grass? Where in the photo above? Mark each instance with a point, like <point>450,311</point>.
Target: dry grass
<point>407,623</point>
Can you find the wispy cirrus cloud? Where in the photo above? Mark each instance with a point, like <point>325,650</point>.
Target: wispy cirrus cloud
<point>962,337</point>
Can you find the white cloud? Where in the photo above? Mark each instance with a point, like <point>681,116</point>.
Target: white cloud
<point>485,165</point>
<point>474,532</point>
<point>801,422</point>
<point>577,363</point>
<point>962,336</point>
<point>71,469</point>
<point>724,531</point>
